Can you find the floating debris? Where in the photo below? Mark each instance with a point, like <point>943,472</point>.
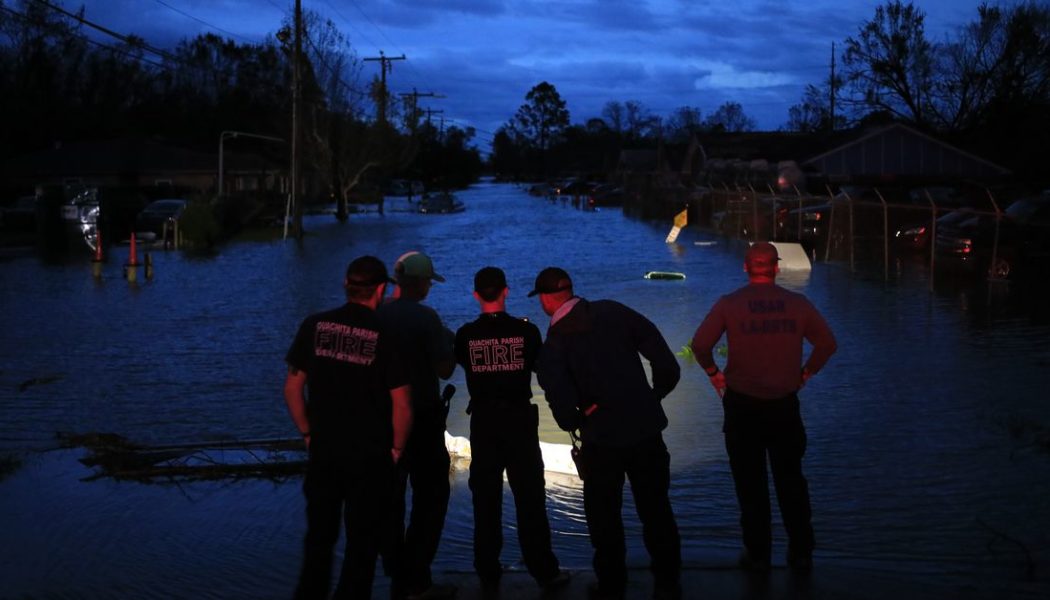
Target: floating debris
<point>114,456</point>
<point>25,385</point>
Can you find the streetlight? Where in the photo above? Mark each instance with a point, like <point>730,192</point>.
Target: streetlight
<point>235,134</point>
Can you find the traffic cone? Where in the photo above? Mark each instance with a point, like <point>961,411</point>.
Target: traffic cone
<point>132,259</point>
<point>131,269</point>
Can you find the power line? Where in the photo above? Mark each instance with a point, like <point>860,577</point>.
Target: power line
<point>123,51</point>
<point>350,23</point>
<point>203,22</point>
<point>137,42</point>
<point>422,79</point>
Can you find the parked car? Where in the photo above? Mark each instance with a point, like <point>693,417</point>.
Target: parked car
<point>159,218</point>
<point>1020,242</point>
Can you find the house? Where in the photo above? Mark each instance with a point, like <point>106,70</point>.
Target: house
<point>143,163</point>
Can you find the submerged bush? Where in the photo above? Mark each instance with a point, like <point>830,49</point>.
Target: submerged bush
<point>199,226</point>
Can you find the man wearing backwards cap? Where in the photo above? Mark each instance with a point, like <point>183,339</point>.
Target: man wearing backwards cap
<point>765,326</point>
<point>498,355</point>
<point>355,426</point>
<point>595,382</point>
<point>425,345</point>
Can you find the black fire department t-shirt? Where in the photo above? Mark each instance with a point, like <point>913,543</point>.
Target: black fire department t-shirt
<point>350,367</point>
<point>498,354</point>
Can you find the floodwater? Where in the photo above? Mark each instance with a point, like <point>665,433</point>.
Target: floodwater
<point>929,430</point>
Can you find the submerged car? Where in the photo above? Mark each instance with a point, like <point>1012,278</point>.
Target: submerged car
<point>807,225</point>
<point>1016,240</point>
<point>159,218</point>
<point>443,203</point>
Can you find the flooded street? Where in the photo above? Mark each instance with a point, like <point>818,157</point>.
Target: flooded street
<point>929,430</point>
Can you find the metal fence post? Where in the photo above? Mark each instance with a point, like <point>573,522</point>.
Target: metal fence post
<point>933,236</point>
<point>992,269</point>
<point>885,237</point>
<point>831,222</point>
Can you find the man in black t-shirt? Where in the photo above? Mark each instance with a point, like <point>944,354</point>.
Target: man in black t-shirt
<point>355,422</point>
<point>498,353</point>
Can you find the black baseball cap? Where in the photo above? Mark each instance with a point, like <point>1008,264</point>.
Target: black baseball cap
<point>367,271</point>
<point>550,281</point>
<point>489,278</point>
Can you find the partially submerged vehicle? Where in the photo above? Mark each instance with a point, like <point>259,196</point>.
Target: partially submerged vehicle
<point>442,203</point>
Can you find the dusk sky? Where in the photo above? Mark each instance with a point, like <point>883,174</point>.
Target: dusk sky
<point>485,55</point>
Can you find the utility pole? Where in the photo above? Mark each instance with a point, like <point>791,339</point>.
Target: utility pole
<point>831,125</point>
<point>431,112</point>
<point>297,91</point>
<point>413,102</point>
<point>384,67</point>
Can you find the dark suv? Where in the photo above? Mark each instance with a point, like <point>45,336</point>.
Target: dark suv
<point>1021,243</point>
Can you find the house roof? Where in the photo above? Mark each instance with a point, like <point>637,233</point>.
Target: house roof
<point>902,150</point>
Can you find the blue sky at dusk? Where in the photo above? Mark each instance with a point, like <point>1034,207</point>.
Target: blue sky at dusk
<point>484,55</point>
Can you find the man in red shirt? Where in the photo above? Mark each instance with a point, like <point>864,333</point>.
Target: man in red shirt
<point>764,326</point>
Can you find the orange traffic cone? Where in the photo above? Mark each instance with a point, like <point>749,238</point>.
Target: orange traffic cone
<point>131,269</point>
<point>132,259</point>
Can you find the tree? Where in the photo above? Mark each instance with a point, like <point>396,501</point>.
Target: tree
<point>814,112</point>
<point>890,64</point>
<point>542,119</point>
<point>682,124</point>
<point>1000,65</point>
<point>543,116</point>
<point>730,118</point>
<point>639,121</point>
<point>614,114</point>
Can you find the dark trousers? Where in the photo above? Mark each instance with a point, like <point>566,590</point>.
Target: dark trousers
<point>357,491</point>
<point>754,429</point>
<point>424,466</point>
<point>506,438</point>
<point>647,466</point>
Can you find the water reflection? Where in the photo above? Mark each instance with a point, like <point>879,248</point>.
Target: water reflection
<point>921,457</point>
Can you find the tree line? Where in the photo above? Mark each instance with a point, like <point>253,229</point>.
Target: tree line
<point>59,84</point>
<point>986,89</point>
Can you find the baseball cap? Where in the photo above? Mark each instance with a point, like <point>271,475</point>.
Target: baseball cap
<point>416,264</point>
<point>367,271</point>
<point>761,255</point>
<point>551,280</point>
<point>489,278</point>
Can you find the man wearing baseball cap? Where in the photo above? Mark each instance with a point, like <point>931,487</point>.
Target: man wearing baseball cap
<point>498,354</point>
<point>595,382</point>
<point>355,424</point>
<point>765,326</point>
<point>425,345</point>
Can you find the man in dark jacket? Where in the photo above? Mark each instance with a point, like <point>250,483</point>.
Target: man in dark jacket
<point>595,382</point>
<point>764,326</point>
